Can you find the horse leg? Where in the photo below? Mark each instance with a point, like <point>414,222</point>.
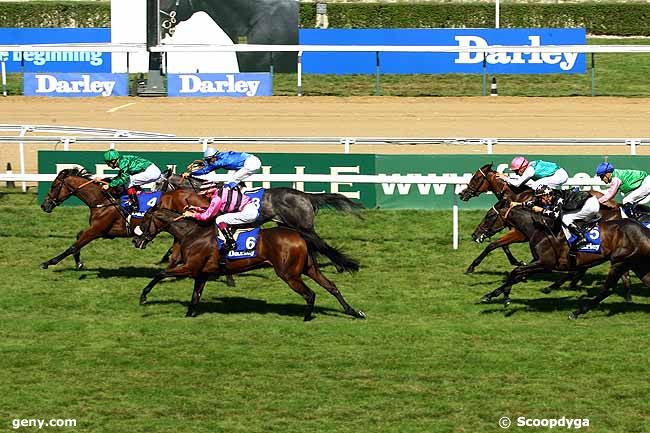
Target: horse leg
<point>77,256</point>
<point>297,285</point>
<point>179,271</point>
<point>315,274</point>
<point>513,236</point>
<point>199,284</point>
<point>574,276</point>
<point>83,238</point>
<point>616,270</point>
<point>627,294</point>
<point>517,275</point>
<point>230,280</point>
<point>165,258</point>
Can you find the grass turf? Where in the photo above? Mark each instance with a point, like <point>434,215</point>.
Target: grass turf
<point>429,357</point>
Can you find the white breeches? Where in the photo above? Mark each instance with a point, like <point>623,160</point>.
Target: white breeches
<point>640,195</point>
<point>151,174</point>
<point>251,165</point>
<point>247,215</point>
<point>588,213</point>
<point>555,181</point>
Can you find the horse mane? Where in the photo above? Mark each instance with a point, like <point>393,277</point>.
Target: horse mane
<point>76,171</point>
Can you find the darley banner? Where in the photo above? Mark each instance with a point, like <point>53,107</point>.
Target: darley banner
<point>391,195</point>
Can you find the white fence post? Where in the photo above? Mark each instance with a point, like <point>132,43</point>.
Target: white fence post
<point>299,73</point>
<point>633,143</point>
<point>454,219</point>
<point>489,142</point>
<point>21,146</point>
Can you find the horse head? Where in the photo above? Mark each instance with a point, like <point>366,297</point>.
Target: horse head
<point>153,222</point>
<point>491,224</point>
<point>65,185</point>
<point>478,184</point>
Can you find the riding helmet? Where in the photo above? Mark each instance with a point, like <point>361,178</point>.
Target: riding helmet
<point>111,155</point>
<point>518,162</point>
<point>543,190</point>
<point>604,168</point>
<point>210,152</point>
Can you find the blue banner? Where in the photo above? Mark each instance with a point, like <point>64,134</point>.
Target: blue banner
<point>55,61</point>
<point>79,85</point>
<point>443,63</point>
<point>202,85</point>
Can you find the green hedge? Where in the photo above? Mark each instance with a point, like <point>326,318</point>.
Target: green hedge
<point>55,14</point>
<point>616,19</point>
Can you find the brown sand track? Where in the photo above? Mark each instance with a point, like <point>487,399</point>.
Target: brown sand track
<point>475,117</point>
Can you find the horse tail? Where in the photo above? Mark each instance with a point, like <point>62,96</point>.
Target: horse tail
<point>338,202</point>
<point>317,246</point>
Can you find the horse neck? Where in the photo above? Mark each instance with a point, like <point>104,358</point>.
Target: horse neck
<point>500,187</point>
<point>234,18</point>
<point>91,193</point>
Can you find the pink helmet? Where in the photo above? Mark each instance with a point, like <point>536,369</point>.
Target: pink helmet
<point>518,162</point>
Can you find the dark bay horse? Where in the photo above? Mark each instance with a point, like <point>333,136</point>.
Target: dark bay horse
<point>493,223</point>
<point>290,253</point>
<point>625,243</point>
<point>486,179</point>
<point>286,206</point>
<point>257,21</point>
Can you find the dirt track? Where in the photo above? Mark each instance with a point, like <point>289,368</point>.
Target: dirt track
<point>342,117</point>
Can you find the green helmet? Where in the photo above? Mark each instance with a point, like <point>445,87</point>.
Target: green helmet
<point>111,155</point>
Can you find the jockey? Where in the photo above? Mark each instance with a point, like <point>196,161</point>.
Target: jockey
<point>540,172</point>
<point>233,208</point>
<point>134,172</point>
<point>244,163</point>
<point>577,208</point>
<point>635,184</point>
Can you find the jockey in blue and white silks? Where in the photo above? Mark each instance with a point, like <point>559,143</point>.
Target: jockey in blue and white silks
<point>538,172</point>
<point>244,163</point>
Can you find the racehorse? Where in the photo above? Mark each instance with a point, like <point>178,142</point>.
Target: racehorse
<point>493,223</point>
<point>106,218</point>
<point>485,179</point>
<point>286,206</point>
<point>291,254</point>
<point>625,243</point>
<point>258,21</point>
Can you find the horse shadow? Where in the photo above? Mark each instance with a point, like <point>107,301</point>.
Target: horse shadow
<point>240,305</point>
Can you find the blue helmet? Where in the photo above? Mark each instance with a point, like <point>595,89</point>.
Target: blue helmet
<point>603,168</point>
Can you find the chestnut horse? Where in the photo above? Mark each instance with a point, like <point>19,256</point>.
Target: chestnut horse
<point>625,243</point>
<point>291,254</point>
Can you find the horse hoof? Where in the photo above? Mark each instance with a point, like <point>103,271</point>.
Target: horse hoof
<point>469,271</point>
<point>546,290</point>
<point>573,316</point>
<point>485,299</point>
<point>143,300</point>
<point>506,303</point>
<point>43,265</point>
<point>361,314</point>
<point>80,266</point>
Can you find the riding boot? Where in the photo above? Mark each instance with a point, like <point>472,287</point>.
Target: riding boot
<point>581,236</point>
<point>133,199</point>
<point>229,243</point>
<point>630,210</point>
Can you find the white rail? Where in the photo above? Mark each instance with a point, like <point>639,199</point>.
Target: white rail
<point>347,142</point>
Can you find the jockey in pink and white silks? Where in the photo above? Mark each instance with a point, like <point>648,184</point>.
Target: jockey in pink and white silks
<point>232,207</point>
<point>244,163</point>
<point>536,173</point>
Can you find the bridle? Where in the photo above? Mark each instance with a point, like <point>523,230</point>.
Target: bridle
<point>72,191</point>
<point>147,235</point>
<point>170,23</point>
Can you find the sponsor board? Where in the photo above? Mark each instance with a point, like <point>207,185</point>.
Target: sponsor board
<point>234,85</point>
<point>55,61</point>
<point>444,63</point>
<point>75,85</point>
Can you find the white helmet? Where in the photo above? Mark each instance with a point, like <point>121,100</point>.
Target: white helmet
<point>209,152</point>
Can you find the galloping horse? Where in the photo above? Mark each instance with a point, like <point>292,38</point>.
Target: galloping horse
<point>259,21</point>
<point>290,253</point>
<point>286,206</point>
<point>106,218</point>
<point>624,242</point>
<point>485,179</point>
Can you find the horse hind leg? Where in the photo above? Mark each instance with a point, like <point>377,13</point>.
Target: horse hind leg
<point>298,286</point>
<point>616,270</point>
<point>315,274</point>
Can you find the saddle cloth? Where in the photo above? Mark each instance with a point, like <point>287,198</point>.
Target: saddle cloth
<point>146,200</point>
<point>246,237</point>
<point>593,237</point>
